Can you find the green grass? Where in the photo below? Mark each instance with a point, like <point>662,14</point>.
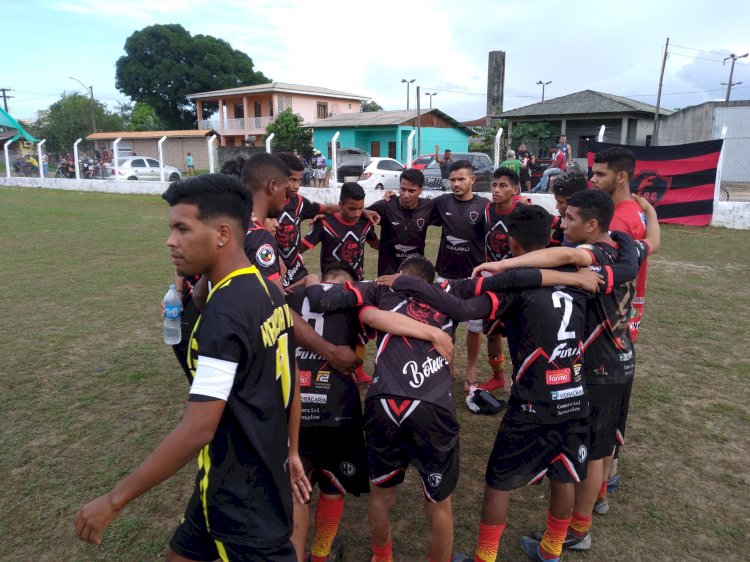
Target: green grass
<point>89,390</point>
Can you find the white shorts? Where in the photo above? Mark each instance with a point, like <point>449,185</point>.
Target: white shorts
<point>474,326</point>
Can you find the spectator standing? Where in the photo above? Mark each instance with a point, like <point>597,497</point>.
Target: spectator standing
<point>527,161</point>
<point>511,162</point>
<point>45,163</point>
<point>189,164</point>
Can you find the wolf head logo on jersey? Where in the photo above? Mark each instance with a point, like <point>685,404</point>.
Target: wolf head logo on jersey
<point>422,312</point>
<point>349,251</point>
<point>286,236</point>
<point>498,243</point>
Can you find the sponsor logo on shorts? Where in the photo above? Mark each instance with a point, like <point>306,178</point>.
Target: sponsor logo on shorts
<point>582,453</point>
<point>265,256</point>
<point>567,393</point>
<point>305,378</point>
<point>434,479</point>
<point>308,398</point>
<point>638,300</point>
<point>625,356</point>
<point>347,469</point>
<point>558,376</point>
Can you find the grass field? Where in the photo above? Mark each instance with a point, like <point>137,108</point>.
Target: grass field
<point>90,389</point>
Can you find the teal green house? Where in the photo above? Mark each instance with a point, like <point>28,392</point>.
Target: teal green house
<point>386,133</point>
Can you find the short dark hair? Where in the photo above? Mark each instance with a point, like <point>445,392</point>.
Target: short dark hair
<point>418,266</point>
<point>414,176</point>
<point>618,158</point>
<point>262,167</point>
<point>504,172</point>
<point>569,183</point>
<point>351,190</point>
<point>292,162</point>
<point>215,195</point>
<point>233,166</point>
<point>594,204</point>
<point>336,267</point>
<point>530,225</point>
<point>461,165</point>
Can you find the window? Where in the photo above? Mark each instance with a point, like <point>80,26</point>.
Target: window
<point>390,165</point>
<point>391,149</point>
<point>239,111</point>
<point>322,110</point>
<point>270,108</point>
<point>137,163</point>
<point>258,111</point>
<point>152,163</point>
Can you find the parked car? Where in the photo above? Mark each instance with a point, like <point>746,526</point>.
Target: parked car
<point>381,173</point>
<point>350,163</point>
<point>142,168</point>
<point>423,161</point>
<point>481,163</point>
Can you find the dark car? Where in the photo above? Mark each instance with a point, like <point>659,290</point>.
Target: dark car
<point>481,163</point>
<point>351,163</point>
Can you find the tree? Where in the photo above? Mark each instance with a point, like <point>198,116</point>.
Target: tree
<point>164,63</point>
<point>535,135</point>
<point>289,132</point>
<point>69,119</point>
<point>144,118</point>
<point>371,106</point>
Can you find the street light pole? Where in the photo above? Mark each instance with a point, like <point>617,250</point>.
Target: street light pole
<point>731,72</point>
<point>430,94</point>
<point>543,84</point>
<point>93,107</point>
<point>407,82</point>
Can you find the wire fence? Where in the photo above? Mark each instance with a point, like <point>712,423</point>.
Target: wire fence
<point>735,169</point>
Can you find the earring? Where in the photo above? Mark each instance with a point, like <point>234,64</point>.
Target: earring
<point>221,244</point>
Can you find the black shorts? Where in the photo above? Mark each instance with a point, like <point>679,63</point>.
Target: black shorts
<point>524,453</point>
<point>608,415</point>
<point>400,432</point>
<point>493,327</point>
<point>194,541</point>
<point>334,458</point>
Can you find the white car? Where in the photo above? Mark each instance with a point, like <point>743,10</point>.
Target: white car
<point>142,168</point>
<point>381,173</point>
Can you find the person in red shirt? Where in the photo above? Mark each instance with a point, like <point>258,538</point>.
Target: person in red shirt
<point>555,169</point>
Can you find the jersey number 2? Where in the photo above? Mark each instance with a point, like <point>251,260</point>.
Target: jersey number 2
<point>564,299</point>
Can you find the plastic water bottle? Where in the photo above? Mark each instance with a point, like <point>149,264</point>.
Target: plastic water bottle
<point>172,323</point>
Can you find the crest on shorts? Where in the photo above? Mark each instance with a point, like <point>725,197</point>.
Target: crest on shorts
<point>434,479</point>
<point>650,185</point>
<point>265,256</point>
<point>582,453</point>
<point>473,216</point>
<point>347,468</point>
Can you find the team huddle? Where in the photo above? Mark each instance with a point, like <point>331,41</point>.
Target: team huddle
<point>273,354</point>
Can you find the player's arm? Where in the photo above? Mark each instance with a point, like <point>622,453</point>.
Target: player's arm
<point>625,268</point>
<point>195,430</point>
<point>341,357</point>
<point>545,258</point>
<point>312,238</point>
<point>653,230</point>
<point>372,239</point>
<point>483,306</point>
<point>200,292</point>
<point>401,325</point>
<point>301,487</point>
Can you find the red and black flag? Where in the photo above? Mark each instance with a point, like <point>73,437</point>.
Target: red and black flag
<point>677,180</point>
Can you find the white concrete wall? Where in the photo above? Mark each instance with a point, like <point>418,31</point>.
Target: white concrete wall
<point>729,214</point>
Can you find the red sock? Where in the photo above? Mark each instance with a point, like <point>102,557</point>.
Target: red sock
<point>327,519</point>
<point>488,542</point>
<point>552,542</point>
<point>382,553</point>
<point>580,524</point>
<point>602,491</point>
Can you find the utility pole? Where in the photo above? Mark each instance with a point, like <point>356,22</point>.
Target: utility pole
<point>655,135</point>
<point>731,72</point>
<point>5,97</point>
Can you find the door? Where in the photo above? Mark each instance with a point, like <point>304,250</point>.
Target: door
<point>153,170</point>
<point>375,149</point>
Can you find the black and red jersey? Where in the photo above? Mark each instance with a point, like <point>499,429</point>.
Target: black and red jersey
<point>329,398</point>
<point>496,242</point>
<point>402,232</point>
<point>288,238</point>
<point>341,241</point>
<point>462,237</point>
<point>261,250</point>
<point>557,236</point>
<point>545,329</point>
<point>609,356</point>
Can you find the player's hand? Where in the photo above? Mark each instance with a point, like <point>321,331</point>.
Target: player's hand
<point>94,517</point>
<point>589,280</point>
<point>443,344</point>
<point>343,359</point>
<point>319,216</point>
<point>387,280</point>
<point>388,194</point>
<point>642,201</point>
<point>490,267</point>
<point>371,216</point>
<point>301,487</point>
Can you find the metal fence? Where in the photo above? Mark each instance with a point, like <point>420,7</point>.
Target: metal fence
<point>735,169</point>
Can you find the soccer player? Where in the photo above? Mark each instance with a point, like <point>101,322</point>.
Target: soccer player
<point>565,186</point>
<point>343,236</point>
<point>609,360</point>
<point>404,221</point>
<point>461,215</point>
<point>543,431</point>
<point>236,416</point>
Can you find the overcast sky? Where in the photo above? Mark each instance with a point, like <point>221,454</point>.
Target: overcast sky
<point>367,48</point>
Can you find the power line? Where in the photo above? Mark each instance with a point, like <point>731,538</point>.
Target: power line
<point>704,58</point>
<point>5,97</point>
<point>699,50</point>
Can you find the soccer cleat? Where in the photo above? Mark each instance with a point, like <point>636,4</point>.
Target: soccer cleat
<point>362,376</point>
<point>601,506</point>
<point>571,542</point>
<point>530,548</point>
<point>613,484</point>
